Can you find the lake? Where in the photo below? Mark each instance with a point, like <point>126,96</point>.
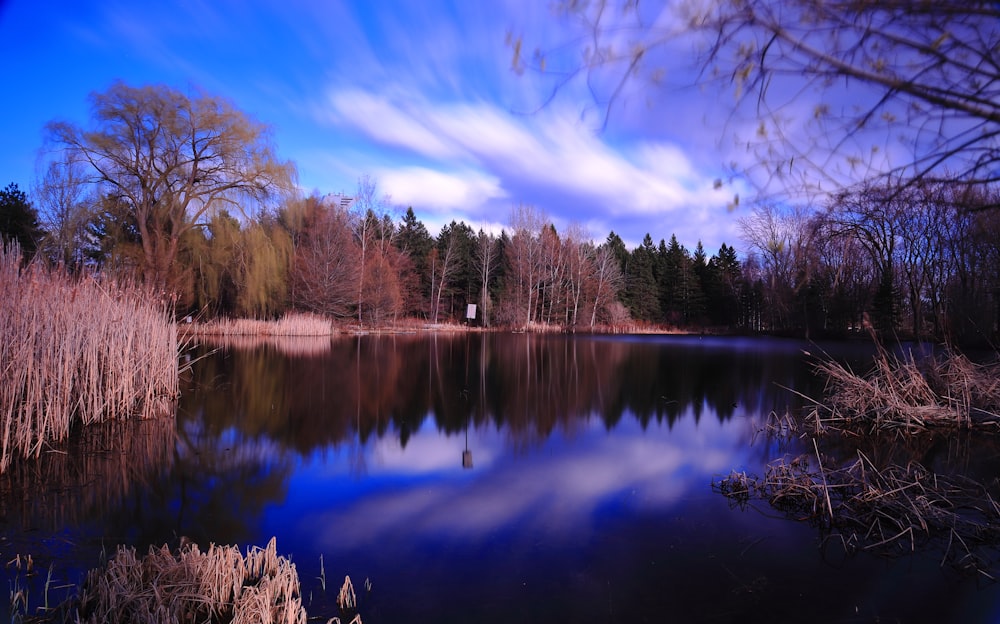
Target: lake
<point>490,478</point>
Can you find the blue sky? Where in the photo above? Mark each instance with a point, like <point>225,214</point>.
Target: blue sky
<point>420,95</point>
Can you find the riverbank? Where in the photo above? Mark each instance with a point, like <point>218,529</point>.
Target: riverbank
<point>296,324</point>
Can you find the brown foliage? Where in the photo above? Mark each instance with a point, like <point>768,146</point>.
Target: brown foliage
<point>326,273</point>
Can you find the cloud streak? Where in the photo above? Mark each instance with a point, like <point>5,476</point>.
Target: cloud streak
<point>472,156</point>
<point>421,95</point>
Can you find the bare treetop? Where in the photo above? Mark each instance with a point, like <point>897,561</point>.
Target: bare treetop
<point>174,160</point>
<point>837,90</point>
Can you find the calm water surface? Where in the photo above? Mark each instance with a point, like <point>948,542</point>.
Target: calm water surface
<point>489,478</point>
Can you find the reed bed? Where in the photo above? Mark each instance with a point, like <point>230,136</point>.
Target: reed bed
<point>220,585</point>
<point>890,510</point>
<point>293,324</point>
<point>77,351</point>
<point>906,395</point>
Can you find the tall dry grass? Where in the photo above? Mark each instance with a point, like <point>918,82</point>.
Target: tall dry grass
<point>76,351</point>
<point>907,395</point>
<point>292,324</point>
<point>218,585</point>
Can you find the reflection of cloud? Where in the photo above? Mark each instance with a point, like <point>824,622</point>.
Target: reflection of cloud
<point>553,489</point>
<point>427,451</point>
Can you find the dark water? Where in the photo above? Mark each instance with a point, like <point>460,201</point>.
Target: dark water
<point>490,478</point>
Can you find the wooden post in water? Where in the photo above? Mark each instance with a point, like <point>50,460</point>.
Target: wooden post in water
<point>466,454</point>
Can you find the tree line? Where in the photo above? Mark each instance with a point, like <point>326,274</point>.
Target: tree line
<point>188,194</point>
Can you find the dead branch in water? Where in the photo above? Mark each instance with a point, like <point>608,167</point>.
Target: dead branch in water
<point>889,510</point>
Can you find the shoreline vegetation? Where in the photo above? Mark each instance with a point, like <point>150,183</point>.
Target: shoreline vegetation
<point>77,351</point>
<point>304,324</point>
<point>220,584</point>
<point>886,505</point>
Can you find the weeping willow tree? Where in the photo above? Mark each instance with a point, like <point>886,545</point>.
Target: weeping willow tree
<point>173,161</point>
<point>264,264</point>
<point>237,270</point>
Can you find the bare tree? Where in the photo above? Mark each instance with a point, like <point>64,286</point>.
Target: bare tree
<point>444,263</point>
<point>173,159</point>
<point>782,239</point>
<point>837,89</point>
<point>552,265</point>
<point>326,268</point>
<point>64,208</point>
<point>577,253</point>
<point>525,258</point>
<point>485,258</point>
<point>373,233</point>
<point>608,281</point>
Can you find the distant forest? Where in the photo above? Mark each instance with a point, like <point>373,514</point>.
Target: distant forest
<point>910,261</point>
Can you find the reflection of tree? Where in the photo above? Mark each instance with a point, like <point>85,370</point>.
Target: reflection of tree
<point>220,485</point>
<point>528,384</point>
<point>95,470</point>
<point>141,483</point>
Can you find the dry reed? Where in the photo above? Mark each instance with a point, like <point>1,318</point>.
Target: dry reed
<point>76,351</point>
<point>904,395</point>
<point>219,585</point>
<point>890,510</point>
<point>292,324</point>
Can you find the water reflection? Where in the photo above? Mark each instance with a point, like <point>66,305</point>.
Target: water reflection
<point>588,498</point>
<point>528,385</point>
<point>96,470</point>
<point>286,345</point>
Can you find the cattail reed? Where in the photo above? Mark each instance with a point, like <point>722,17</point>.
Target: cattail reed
<point>218,585</point>
<point>292,324</point>
<point>76,350</point>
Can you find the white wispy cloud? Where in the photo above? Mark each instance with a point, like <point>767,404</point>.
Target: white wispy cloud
<point>549,159</point>
<point>441,192</point>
